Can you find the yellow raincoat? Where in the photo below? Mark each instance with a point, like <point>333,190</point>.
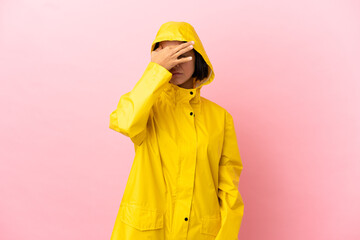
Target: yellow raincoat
<point>183,183</point>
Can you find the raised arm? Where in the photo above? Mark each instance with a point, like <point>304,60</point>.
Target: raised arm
<point>133,110</point>
<point>230,200</point>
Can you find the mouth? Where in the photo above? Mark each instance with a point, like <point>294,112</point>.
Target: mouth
<point>176,73</point>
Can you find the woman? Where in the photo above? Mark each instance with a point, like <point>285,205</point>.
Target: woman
<point>183,183</point>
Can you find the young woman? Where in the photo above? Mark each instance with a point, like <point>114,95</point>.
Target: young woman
<point>183,183</point>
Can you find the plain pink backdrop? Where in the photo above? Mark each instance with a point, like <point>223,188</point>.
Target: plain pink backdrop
<point>288,72</point>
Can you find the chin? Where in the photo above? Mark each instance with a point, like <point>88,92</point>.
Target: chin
<point>176,82</point>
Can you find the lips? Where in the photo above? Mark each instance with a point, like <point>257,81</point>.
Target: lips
<point>176,74</point>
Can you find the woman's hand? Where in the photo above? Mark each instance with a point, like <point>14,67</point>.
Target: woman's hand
<point>168,56</point>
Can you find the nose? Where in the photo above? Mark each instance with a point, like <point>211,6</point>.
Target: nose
<point>175,67</point>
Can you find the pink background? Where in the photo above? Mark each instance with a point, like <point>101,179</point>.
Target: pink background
<point>288,72</point>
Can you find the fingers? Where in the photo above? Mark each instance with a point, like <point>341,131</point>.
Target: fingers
<point>184,50</point>
<point>183,46</point>
<point>183,60</point>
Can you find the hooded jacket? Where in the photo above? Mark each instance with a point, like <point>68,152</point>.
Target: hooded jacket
<point>183,183</point>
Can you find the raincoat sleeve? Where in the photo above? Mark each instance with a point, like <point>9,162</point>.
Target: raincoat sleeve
<point>133,110</point>
<point>230,200</point>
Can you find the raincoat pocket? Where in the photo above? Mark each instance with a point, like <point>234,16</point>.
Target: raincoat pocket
<point>141,218</point>
<point>210,225</point>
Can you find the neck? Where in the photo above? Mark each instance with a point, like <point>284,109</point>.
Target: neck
<point>188,84</point>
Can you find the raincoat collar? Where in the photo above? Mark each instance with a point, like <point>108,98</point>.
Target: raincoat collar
<point>178,95</point>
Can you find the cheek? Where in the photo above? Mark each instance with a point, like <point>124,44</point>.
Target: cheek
<point>189,67</point>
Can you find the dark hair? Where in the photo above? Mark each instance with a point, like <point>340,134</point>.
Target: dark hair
<point>201,70</point>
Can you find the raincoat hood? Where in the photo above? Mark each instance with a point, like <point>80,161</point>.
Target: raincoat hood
<point>183,31</point>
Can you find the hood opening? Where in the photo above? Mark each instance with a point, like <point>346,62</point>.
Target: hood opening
<point>183,31</point>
